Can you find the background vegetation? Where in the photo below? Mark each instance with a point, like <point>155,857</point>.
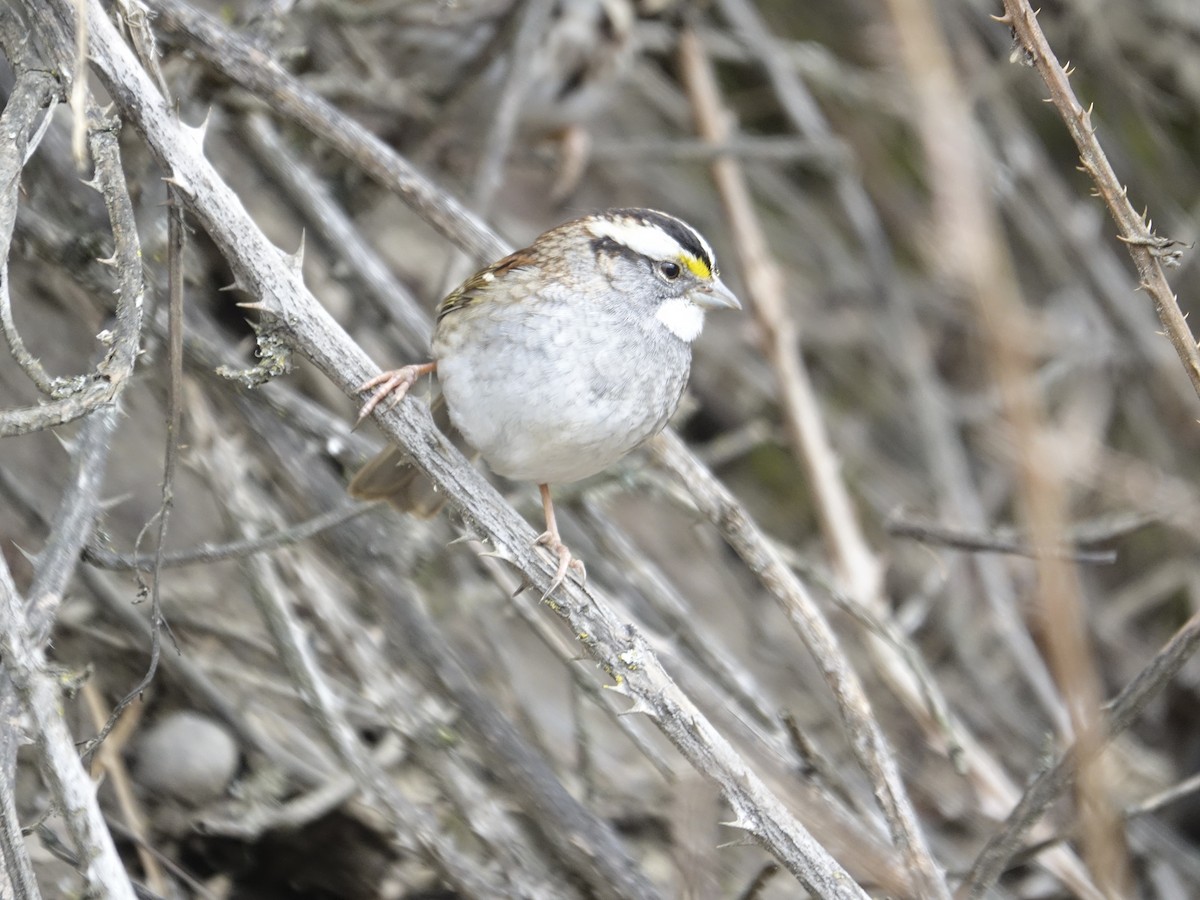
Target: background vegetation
<point>904,603</point>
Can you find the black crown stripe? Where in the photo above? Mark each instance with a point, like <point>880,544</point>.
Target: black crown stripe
<point>683,234</point>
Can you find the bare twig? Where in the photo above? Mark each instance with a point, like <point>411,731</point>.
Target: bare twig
<point>114,370</point>
<point>33,89</point>
<point>73,521</point>
<point>1146,248</point>
<point>856,562</point>
<point>246,65</point>
<point>330,221</point>
<point>69,784</point>
<point>104,558</point>
<point>713,654</point>
<point>411,825</point>
<point>576,836</point>
<point>933,533</point>
<point>946,455</point>
<point>1174,793</point>
<point>202,692</point>
<point>158,623</point>
<point>16,869</point>
<point>866,737</point>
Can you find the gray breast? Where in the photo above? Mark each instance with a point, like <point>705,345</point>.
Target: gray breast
<point>559,393</point>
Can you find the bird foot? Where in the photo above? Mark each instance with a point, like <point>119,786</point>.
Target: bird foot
<point>392,386</point>
<point>554,544</point>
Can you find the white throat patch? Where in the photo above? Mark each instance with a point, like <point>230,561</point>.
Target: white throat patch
<point>683,318</point>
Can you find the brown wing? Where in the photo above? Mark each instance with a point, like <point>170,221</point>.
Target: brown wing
<point>479,283</point>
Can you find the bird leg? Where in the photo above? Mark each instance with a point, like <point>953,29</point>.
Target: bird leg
<point>551,540</point>
<point>395,382</point>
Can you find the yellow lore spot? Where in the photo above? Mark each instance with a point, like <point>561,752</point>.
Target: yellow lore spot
<point>696,266</point>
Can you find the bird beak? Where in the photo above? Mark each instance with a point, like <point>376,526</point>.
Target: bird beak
<point>714,295</point>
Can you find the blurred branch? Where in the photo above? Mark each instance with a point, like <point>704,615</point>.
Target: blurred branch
<point>413,826</point>
<point>73,792</point>
<point>104,558</point>
<point>16,869</point>
<point>195,684</point>
<point>582,846</point>
<point>856,563</point>
<point>946,459</point>
<point>110,764</point>
<point>533,17</point>
<point>821,155</point>
<point>1176,792</point>
<point>944,450</point>
<point>1001,542</point>
<point>977,264</point>
<point>1052,782</point>
<point>866,737</point>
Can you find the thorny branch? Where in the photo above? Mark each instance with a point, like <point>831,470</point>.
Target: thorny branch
<point>406,666</point>
<point>1148,250</point>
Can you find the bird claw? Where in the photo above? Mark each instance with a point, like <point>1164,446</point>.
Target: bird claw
<point>554,544</point>
<point>395,382</point>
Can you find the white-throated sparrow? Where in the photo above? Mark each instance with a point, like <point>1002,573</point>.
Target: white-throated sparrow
<point>560,358</point>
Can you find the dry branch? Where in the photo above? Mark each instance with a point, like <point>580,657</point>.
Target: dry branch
<point>458,731</point>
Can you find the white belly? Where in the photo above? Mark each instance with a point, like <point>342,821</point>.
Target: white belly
<point>558,409</point>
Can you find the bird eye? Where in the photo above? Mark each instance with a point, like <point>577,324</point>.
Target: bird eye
<point>669,270</point>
